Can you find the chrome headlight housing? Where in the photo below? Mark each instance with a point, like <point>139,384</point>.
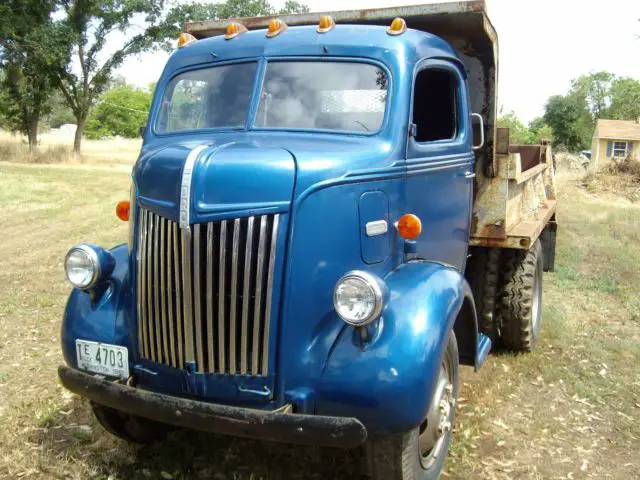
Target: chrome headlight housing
<point>87,265</point>
<point>358,298</point>
<point>132,215</point>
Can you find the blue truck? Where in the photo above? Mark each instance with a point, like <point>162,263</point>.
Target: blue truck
<point>324,223</point>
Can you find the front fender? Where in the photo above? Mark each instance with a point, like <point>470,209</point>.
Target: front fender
<point>388,382</point>
<point>105,318</point>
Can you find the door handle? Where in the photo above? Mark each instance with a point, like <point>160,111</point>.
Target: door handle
<point>469,175</point>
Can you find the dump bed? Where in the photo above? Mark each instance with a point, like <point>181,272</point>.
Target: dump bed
<point>464,24</point>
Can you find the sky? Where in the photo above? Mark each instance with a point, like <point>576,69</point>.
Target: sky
<point>544,44</point>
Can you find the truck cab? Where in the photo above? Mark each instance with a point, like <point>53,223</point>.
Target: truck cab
<point>302,212</point>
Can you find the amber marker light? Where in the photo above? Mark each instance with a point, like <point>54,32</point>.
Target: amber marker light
<point>326,24</point>
<point>397,27</point>
<point>276,27</point>
<point>185,39</point>
<point>233,30</point>
<point>122,210</point>
<point>409,226</point>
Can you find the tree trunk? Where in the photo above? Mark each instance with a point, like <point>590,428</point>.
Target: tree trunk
<point>77,141</point>
<point>32,133</point>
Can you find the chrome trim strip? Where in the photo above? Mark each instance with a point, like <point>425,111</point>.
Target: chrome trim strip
<point>244,332</point>
<point>197,291</point>
<point>150,232</point>
<point>188,298</point>
<point>222,367</point>
<point>170,275</point>
<point>156,290</point>
<point>179,303</point>
<point>257,319</point>
<point>185,188</point>
<point>267,309</point>
<point>233,296</point>
<point>142,275</point>
<point>209,298</point>
<point>163,289</point>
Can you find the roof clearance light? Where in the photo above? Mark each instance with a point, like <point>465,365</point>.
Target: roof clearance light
<point>276,27</point>
<point>326,24</point>
<point>234,29</point>
<point>185,39</point>
<point>397,27</point>
<point>409,226</point>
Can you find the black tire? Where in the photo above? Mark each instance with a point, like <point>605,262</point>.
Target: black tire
<point>521,298</point>
<point>130,428</point>
<point>398,457</point>
<point>483,268</point>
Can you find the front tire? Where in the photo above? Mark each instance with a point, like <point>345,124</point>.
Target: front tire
<point>130,428</point>
<point>420,453</point>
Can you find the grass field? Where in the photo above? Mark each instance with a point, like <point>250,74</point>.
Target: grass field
<point>571,410</point>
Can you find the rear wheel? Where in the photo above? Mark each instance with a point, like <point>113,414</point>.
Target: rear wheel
<point>131,428</point>
<point>521,298</point>
<point>420,453</point>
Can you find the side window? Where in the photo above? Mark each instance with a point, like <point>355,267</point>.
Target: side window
<point>435,106</point>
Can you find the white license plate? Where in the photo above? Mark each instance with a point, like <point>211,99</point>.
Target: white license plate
<point>109,360</point>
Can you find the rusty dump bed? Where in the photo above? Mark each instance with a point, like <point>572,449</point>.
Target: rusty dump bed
<point>514,196</point>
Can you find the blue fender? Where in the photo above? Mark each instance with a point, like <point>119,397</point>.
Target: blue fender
<point>387,382</point>
<point>101,316</point>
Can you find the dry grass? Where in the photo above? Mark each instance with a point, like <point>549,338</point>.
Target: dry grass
<point>620,176</point>
<point>52,149</point>
<point>571,410</point>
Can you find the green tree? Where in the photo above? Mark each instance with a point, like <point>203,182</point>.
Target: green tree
<point>625,99</point>
<point>570,121</point>
<point>231,9</point>
<point>594,89</point>
<point>539,130</point>
<point>518,132</point>
<point>28,51</point>
<point>120,111</point>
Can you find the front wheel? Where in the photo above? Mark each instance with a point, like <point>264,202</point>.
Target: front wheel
<point>420,453</point>
<point>130,428</point>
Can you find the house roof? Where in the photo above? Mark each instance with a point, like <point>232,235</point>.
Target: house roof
<point>618,129</point>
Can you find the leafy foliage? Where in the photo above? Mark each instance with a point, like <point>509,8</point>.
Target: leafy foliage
<point>121,111</point>
<point>536,131</point>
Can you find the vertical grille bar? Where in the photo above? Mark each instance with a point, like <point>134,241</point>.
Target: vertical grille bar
<point>187,292</point>
<point>163,288</point>
<point>244,335</point>
<point>255,351</point>
<point>233,297</point>
<point>197,297</point>
<point>142,282</point>
<point>221,298</point>
<point>179,316</point>
<point>156,287</point>
<point>170,271</point>
<point>267,309</point>
<point>149,319</point>
<point>209,295</point>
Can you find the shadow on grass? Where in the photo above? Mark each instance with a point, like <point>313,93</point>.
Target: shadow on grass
<point>76,436</point>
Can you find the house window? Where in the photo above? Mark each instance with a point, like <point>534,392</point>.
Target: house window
<point>435,111</point>
<point>619,149</point>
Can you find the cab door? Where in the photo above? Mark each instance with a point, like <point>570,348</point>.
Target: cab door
<point>440,161</point>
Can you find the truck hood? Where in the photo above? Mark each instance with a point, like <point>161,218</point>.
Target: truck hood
<point>213,179</point>
<point>249,174</point>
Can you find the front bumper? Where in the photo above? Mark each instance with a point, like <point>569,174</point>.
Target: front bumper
<point>242,422</point>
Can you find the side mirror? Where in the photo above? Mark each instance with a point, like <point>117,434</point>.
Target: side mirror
<point>143,128</point>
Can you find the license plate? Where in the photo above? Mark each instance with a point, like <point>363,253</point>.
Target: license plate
<point>108,360</point>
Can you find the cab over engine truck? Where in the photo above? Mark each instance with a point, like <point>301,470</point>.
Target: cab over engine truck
<point>325,223</point>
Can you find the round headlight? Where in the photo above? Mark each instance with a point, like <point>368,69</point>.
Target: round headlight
<point>82,266</point>
<point>358,298</point>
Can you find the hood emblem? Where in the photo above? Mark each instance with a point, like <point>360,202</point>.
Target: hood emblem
<point>185,187</point>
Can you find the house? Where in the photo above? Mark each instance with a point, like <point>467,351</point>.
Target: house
<point>616,139</point>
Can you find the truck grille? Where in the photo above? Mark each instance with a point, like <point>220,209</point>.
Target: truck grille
<point>204,293</point>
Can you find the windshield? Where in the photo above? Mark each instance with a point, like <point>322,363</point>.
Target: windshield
<point>323,95</point>
<point>217,97</point>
